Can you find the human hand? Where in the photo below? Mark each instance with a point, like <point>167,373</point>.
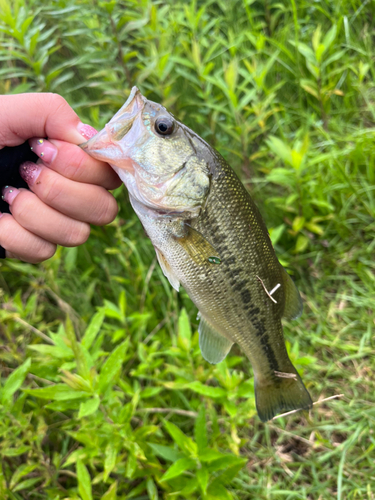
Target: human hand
<point>68,188</point>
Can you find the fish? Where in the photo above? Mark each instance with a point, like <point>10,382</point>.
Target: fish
<point>210,238</point>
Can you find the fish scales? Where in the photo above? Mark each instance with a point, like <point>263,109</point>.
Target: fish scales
<point>210,238</point>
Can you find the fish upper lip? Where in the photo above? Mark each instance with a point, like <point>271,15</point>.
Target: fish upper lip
<point>104,145</point>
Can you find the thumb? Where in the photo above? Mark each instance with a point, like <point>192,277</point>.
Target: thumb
<point>24,116</point>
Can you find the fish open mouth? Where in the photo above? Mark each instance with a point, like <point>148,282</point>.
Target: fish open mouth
<point>106,145</point>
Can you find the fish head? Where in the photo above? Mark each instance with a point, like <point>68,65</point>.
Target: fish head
<point>154,155</point>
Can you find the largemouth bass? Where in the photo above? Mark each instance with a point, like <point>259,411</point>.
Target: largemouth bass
<point>209,237</point>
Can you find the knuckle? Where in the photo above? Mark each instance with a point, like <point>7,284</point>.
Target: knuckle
<point>107,211</point>
<point>76,169</point>
<point>78,235</point>
<point>45,252</point>
<point>6,229</point>
<point>50,188</point>
<point>20,208</point>
<point>57,101</point>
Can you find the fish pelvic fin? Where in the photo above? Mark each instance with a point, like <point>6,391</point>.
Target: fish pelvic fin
<point>214,346</point>
<point>293,303</point>
<point>167,271</point>
<point>281,392</point>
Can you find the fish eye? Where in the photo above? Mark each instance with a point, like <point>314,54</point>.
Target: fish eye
<point>164,125</point>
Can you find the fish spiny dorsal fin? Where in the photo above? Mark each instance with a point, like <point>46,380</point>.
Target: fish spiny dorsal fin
<point>167,271</point>
<point>293,302</point>
<point>214,347</point>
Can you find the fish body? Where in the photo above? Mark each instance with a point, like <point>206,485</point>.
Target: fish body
<point>209,237</point>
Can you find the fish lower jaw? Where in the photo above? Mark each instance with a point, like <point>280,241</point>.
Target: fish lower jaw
<point>155,211</point>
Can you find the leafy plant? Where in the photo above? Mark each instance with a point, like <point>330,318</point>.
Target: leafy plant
<point>103,391</point>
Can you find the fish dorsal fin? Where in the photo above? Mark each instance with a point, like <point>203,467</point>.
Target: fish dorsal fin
<point>166,268</point>
<point>214,347</point>
<point>293,302</point>
<point>198,247</point>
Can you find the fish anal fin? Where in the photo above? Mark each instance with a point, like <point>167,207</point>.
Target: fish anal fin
<point>293,302</point>
<point>214,346</point>
<point>279,393</point>
<point>167,271</point>
<point>198,247</point>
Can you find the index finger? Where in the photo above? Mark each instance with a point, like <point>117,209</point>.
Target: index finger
<point>73,163</point>
<point>39,115</point>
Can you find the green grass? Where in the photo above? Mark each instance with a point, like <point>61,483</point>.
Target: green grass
<point>104,393</point>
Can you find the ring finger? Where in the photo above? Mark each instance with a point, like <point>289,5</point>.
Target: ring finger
<point>43,221</point>
<point>80,201</point>
<point>21,244</point>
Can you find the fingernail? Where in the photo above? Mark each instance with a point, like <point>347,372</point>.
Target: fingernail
<point>8,194</point>
<point>30,171</point>
<point>1,214</point>
<point>86,130</point>
<point>44,149</point>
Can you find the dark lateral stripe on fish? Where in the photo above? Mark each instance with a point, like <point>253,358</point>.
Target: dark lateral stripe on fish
<point>268,351</point>
<point>254,311</point>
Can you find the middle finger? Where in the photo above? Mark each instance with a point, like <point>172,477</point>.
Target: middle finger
<point>73,163</point>
<point>80,201</point>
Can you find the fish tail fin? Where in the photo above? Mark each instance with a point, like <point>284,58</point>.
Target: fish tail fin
<point>281,392</point>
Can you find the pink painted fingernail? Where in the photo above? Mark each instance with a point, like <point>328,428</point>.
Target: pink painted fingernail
<point>44,149</point>
<point>30,171</point>
<point>9,193</point>
<point>87,130</point>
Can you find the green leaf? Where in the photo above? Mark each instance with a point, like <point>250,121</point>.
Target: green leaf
<point>110,460</point>
<point>298,223</point>
<point>178,468</point>
<point>184,330</point>
<point>310,87</point>
<point>88,407</point>
<point>84,481</point>
<point>224,462</point>
<point>203,477</point>
<point>58,392</point>
<point>93,329</point>
<point>276,233</point>
<point>152,489</point>
<point>280,149</point>
<point>15,380</point>
<point>330,36</point>
<point>82,366</point>
<point>14,452</point>
<point>301,243</point>
<point>53,351</point>
<point>316,37</point>
<point>165,452</point>
<point>210,455</point>
<point>200,429</point>
<point>314,228</point>
<point>26,484</point>
<point>111,493</point>
<point>218,492</point>
<point>185,443</point>
<point>149,392</point>
<point>131,465</point>
<point>112,366</point>
<point>206,390</point>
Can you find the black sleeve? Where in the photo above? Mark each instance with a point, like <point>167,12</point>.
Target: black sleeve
<point>10,160</point>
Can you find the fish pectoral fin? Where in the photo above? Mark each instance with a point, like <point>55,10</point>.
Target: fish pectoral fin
<point>167,271</point>
<point>198,247</point>
<point>293,302</point>
<point>214,346</point>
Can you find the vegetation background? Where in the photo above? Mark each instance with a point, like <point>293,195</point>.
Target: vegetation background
<point>104,393</point>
